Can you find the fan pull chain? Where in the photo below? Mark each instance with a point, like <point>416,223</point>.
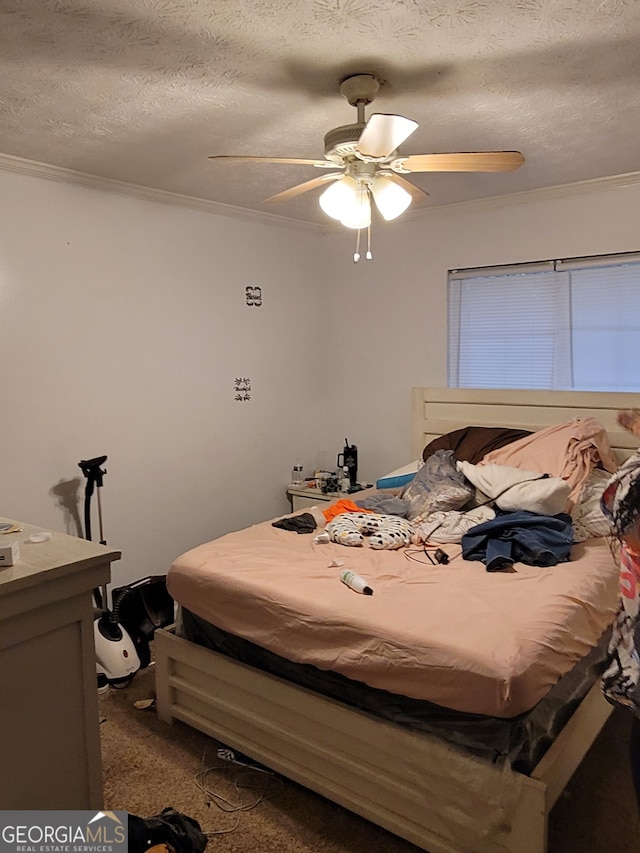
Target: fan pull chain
<point>368,255</point>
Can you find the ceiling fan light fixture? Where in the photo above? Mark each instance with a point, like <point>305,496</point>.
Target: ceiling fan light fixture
<point>366,153</point>
<point>347,200</point>
<point>357,214</point>
<point>339,196</point>
<point>391,199</point>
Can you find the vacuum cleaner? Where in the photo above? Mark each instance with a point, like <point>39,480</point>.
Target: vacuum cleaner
<point>117,660</point>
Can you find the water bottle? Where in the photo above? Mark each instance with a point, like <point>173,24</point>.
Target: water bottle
<point>297,475</point>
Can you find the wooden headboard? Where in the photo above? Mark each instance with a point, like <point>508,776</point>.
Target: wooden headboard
<point>435,411</point>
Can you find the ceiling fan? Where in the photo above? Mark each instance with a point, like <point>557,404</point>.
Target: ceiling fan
<point>369,164</point>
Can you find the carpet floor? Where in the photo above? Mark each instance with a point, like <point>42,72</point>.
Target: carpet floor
<point>149,765</point>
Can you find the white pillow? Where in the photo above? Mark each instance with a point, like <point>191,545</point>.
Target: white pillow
<point>514,489</point>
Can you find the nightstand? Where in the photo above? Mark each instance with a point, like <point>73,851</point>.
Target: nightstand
<point>303,496</point>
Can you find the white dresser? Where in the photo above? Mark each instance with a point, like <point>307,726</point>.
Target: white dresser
<point>49,725</point>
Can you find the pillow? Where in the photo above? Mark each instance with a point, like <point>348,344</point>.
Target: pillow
<point>438,486</point>
<point>515,489</point>
<point>473,442</point>
<point>588,518</point>
<point>398,478</point>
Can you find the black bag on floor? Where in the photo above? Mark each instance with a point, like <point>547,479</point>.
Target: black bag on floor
<point>178,831</point>
<point>142,607</point>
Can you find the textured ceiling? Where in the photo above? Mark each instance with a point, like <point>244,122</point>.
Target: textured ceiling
<point>142,91</point>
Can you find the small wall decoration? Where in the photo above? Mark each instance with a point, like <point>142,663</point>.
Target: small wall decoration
<point>242,387</point>
<point>253,295</point>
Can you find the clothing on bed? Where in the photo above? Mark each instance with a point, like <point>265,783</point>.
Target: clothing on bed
<point>302,523</point>
<point>521,536</point>
<point>340,506</point>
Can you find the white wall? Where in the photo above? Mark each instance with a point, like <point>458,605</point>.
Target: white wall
<point>123,325</point>
<point>393,310</point>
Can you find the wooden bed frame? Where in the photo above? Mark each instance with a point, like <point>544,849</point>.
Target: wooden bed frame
<point>422,789</point>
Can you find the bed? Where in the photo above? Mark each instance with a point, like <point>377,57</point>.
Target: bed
<point>430,789</point>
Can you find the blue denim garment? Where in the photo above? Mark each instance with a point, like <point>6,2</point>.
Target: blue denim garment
<point>520,537</point>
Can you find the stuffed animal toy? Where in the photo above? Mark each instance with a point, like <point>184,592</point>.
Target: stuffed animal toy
<point>383,531</point>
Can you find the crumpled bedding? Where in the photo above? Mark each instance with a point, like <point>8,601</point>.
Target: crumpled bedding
<point>471,443</point>
<point>438,486</point>
<point>382,501</point>
<point>588,517</point>
<point>434,501</point>
<point>450,527</point>
<point>568,450</point>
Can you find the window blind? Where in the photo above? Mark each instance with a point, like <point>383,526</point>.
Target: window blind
<point>557,324</point>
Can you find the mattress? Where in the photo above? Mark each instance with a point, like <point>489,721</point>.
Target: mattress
<point>520,741</point>
<point>453,635</point>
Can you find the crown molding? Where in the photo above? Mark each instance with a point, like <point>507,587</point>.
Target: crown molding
<point>11,163</point>
<point>559,191</point>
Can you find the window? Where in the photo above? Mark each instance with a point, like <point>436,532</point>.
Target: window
<point>566,324</point>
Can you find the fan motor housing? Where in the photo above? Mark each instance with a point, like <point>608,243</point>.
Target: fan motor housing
<point>341,141</point>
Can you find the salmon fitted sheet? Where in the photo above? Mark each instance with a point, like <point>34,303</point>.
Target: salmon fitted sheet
<point>454,635</point>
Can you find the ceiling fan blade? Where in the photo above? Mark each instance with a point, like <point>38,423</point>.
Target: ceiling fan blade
<point>415,192</point>
<point>484,161</point>
<point>292,160</point>
<point>292,192</point>
<point>383,134</point>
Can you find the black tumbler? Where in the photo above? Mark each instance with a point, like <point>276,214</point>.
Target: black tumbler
<point>349,459</point>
